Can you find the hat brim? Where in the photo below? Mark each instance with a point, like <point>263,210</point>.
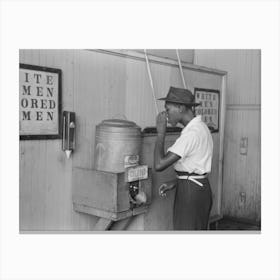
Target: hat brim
<point>178,102</point>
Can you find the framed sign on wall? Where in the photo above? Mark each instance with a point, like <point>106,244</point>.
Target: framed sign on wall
<point>39,102</point>
<point>209,108</point>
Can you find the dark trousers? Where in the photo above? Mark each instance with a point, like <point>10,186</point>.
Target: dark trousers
<point>192,205</point>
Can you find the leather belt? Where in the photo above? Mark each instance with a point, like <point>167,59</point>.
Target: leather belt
<point>192,178</point>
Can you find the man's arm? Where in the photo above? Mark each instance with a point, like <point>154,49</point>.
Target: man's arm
<point>162,161</point>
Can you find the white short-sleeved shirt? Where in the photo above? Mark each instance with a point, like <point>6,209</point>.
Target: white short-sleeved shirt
<point>195,147</point>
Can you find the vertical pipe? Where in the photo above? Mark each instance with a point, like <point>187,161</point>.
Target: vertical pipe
<point>221,148</point>
<point>181,69</point>
<point>151,81</point>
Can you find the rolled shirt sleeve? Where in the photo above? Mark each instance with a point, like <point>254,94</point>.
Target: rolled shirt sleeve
<point>195,147</point>
<point>184,145</point>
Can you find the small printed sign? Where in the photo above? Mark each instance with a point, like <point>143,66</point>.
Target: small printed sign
<point>39,102</point>
<point>131,160</point>
<point>136,173</point>
<point>209,108</point>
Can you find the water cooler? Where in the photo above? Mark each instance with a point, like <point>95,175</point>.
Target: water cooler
<point>118,186</point>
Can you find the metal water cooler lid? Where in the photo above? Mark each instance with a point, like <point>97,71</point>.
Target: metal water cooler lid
<point>118,125</point>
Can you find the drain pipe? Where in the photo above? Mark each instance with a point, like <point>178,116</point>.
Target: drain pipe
<point>151,80</point>
<point>181,69</point>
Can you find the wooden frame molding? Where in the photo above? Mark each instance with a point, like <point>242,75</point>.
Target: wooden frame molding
<point>160,60</point>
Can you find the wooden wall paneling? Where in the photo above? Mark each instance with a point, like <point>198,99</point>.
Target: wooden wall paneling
<point>223,100</point>
<point>82,100</point>
<point>78,220</point>
<point>139,99</point>
<point>101,94</point>
<point>45,174</point>
<point>25,172</point>
<point>256,77</point>
<point>74,220</point>
<point>58,189</point>
<point>29,56</point>
<point>199,79</point>
<point>162,74</point>
<point>246,90</point>
<point>175,78</point>
<point>244,174</point>
<point>243,68</point>
<point>101,90</point>
<point>48,193</point>
<point>31,204</point>
<point>140,106</point>
<point>24,184</point>
<point>214,176</point>
<point>58,180</point>
<point>31,200</point>
<point>241,173</point>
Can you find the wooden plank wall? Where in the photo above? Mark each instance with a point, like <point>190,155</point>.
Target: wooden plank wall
<point>242,173</point>
<point>96,86</point>
<point>45,173</point>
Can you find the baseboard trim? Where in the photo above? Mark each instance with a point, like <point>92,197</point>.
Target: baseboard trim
<point>243,220</point>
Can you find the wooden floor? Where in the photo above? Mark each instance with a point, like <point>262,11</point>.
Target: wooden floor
<point>233,224</point>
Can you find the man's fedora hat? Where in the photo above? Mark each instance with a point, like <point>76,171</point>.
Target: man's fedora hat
<point>181,96</point>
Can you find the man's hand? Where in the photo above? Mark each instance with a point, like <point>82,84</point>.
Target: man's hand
<point>166,187</point>
<point>161,122</point>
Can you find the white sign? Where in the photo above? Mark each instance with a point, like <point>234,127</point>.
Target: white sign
<point>136,173</point>
<point>39,102</point>
<point>209,108</point>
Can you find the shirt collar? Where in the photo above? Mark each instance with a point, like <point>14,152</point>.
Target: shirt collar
<point>194,121</point>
